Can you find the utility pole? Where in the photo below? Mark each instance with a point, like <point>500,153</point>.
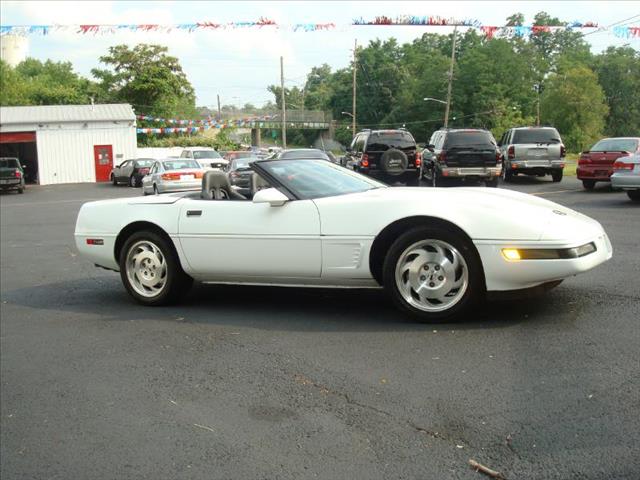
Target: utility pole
<point>355,68</point>
<point>537,89</point>
<point>453,59</point>
<point>219,114</point>
<point>284,107</point>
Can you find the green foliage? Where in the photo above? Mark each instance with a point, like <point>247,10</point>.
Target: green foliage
<point>221,141</point>
<point>33,82</point>
<point>147,78</point>
<point>574,102</point>
<point>618,71</point>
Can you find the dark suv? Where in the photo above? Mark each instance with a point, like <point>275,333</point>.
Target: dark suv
<point>463,154</point>
<point>388,155</point>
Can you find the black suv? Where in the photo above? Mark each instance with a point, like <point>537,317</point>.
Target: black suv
<point>388,155</point>
<point>463,154</point>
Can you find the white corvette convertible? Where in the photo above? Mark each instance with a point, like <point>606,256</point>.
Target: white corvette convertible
<point>312,223</point>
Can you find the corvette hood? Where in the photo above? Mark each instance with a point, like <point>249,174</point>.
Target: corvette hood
<point>483,213</point>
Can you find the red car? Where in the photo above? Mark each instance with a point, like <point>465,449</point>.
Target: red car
<point>596,164</point>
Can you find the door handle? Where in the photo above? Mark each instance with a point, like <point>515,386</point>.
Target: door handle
<point>194,213</point>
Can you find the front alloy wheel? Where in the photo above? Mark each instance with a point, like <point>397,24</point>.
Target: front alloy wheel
<point>433,274</point>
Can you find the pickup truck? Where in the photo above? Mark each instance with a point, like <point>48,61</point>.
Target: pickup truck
<point>11,175</point>
<point>532,151</point>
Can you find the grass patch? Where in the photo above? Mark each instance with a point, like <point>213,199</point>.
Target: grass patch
<point>571,162</point>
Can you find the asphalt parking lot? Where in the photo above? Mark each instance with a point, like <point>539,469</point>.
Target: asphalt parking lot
<point>276,383</point>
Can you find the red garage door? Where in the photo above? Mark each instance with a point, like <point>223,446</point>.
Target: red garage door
<point>17,137</point>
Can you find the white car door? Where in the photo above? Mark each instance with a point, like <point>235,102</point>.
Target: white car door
<point>242,239</point>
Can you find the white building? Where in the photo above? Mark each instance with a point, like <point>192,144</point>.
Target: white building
<point>68,143</point>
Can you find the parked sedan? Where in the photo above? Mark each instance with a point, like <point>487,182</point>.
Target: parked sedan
<point>596,164</point>
<point>173,175</point>
<point>131,171</point>
<point>626,175</point>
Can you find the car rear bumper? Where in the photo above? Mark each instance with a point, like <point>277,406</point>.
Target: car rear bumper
<point>501,274</point>
<point>167,187</point>
<point>540,165</point>
<point>601,173</point>
<point>626,181</point>
<point>7,183</point>
<point>484,172</point>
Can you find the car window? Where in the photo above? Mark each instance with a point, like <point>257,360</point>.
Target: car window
<point>184,154</point>
<point>467,138</point>
<point>9,163</point>
<point>144,163</point>
<point>241,163</point>
<point>383,141</point>
<point>199,154</point>
<point>360,143</point>
<point>616,145</point>
<point>180,164</point>
<point>440,136</point>
<point>154,168</point>
<point>536,135</point>
<point>318,178</point>
<point>304,154</point>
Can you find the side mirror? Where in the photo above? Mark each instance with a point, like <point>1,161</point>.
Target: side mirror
<point>272,196</point>
<point>431,147</point>
<point>24,166</point>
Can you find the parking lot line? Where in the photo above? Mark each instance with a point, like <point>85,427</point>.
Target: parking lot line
<point>556,191</point>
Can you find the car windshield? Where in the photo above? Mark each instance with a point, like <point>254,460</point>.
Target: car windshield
<point>180,164</point>
<point>9,163</point>
<point>199,154</point>
<point>468,139</point>
<point>383,141</point>
<point>298,154</point>
<point>144,162</point>
<point>242,163</point>
<point>536,135</point>
<point>310,179</point>
<point>616,145</point>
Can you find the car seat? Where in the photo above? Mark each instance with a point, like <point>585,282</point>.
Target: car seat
<point>216,186</point>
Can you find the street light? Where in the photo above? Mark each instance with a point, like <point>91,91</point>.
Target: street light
<point>429,99</point>
<point>347,113</point>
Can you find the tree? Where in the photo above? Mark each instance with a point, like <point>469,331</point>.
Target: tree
<point>618,71</point>
<point>33,82</point>
<point>146,77</point>
<point>573,101</point>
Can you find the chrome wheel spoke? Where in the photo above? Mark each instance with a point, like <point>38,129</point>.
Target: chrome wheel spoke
<point>432,275</point>
<point>146,268</point>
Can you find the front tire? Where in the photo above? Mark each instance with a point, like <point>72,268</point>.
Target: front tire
<point>588,184</point>
<point>132,182</point>
<point>433,274</point>
<point>507,174</point>
<point>150,270</point>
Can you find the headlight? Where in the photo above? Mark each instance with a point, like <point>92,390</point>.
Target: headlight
<point>516,254</point>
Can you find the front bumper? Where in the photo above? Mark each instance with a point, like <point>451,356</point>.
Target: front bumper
<point>504,275</point>
<point>600,173</point>
<point>484,172</point>
<point>626,181</point>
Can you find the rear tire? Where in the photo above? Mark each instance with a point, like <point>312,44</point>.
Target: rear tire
<point>150,270</point>
<point>113,179</point>
<point>493,183</point>
<point>155,189</point>
<point>433,274</point>
<point>507,174</point>
<point>634,195</point>
<point>556,175</point>
<point>21,190</point>
<point>588,184</point>
<point>132,182</point>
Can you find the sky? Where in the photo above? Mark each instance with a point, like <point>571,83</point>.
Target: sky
<point>238,64</point>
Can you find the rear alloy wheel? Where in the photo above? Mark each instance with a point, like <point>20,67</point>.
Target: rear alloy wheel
<point>150,270</point>
<point>556,175</point>
<point>634,195</point>
<point>433,274</point>
<point>589,184</point>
